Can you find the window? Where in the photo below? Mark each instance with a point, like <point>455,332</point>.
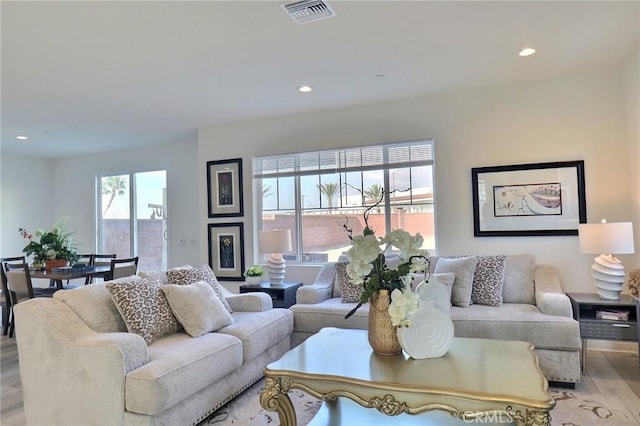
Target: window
<point>136,195</point>
<point>315,193</point>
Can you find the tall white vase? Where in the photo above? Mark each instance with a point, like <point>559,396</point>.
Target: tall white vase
<point>430,334</point>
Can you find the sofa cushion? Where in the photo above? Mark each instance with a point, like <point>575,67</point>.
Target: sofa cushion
<point>349,292</point>
<point>197,307</point>
<point>463,268</point>
<point>517,321</point>
<point>179,366</point>
<point>488,280</point>
<point>144,308</point>
<point>519,276</point>
<point>310,318</point>
<point>192,275</point>
<point>258,331</point>
<point>94,305</point>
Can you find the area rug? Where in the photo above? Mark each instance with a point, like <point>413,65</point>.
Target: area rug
<point>572,409</point>
<point>245,409</point>
<point>580,409</point>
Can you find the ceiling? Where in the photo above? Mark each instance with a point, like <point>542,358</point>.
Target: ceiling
<point>87,77</point>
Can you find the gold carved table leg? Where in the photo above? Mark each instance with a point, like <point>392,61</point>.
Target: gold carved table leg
<point>274,398</point>
<point>533,417</point>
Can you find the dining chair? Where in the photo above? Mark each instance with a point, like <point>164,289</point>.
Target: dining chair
<point>20,287</point>
<point>5,297</point>
<point>123,267</point>
<point>100,260</point>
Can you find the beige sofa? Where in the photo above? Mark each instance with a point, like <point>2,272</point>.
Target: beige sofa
<point>80,366</point>
<point>535,310</point>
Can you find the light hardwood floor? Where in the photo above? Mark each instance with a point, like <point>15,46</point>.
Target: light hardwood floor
<point>608,373</point>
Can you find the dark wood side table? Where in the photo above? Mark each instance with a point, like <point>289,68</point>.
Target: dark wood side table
<point>585,306</point>
<point>283,295</point>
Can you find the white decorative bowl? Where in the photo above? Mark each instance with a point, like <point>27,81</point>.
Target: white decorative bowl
<point>253,280</point>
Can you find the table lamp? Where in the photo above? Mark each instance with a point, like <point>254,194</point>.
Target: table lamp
<point>275,242</point>
<point>607,239</point>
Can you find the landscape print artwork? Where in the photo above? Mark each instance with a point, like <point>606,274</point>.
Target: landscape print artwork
<point>542,199</point>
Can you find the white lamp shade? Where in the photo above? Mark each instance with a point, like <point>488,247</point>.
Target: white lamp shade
<point>606,238</point>
<point>275,241</point>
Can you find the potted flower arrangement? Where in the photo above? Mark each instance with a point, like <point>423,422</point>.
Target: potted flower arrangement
<point>254,274</point>
<point>388,290</point>
<point>54,245</point>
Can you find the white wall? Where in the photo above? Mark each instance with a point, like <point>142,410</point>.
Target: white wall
<point>25,200</point>
<point>73,180</point>
<point>571,118</point>
<point>37,193</point>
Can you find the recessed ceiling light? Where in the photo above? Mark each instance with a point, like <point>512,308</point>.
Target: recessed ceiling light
<point>527,51</point>
<point>305,89</point>
<point>22,138</point>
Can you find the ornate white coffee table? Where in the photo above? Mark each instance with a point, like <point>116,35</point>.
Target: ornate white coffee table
<point>487,380</point>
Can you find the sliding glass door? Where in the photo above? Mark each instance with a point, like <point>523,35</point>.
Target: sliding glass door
<point>132,217</point>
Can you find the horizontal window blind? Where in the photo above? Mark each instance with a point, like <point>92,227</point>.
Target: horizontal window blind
<point>372,157</point>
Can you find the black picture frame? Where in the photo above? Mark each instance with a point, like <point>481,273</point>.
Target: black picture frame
<point>226,250</point>
<point>535,199</point>
<point>224,188</point>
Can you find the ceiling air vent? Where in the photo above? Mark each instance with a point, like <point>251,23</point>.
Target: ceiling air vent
<point>309,10</point>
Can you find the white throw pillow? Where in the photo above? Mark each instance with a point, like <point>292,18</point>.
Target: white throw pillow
<point>197,307</point>
<point>202,273</point>
<point>438,289</point>
<point>463,268</point>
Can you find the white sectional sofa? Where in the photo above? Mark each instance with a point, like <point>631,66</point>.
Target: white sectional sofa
<point>80,366</point>
<point>534,309</point>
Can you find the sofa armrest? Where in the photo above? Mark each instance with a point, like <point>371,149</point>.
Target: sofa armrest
<point>550,298</point>
<point>61,356</point>
<point>250,302</point>
<point>322,287</point>
<point>309,294</point>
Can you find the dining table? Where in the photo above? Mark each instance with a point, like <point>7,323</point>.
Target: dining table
<point>58,275</point>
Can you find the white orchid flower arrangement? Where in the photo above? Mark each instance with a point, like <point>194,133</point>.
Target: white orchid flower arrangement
<point>367,267</point>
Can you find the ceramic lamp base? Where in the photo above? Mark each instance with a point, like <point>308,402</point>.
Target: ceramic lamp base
<point>276,268</point>
<point>608,274</point>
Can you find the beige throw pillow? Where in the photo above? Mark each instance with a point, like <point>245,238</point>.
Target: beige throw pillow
<point>144,308</point>
<point>202,273</point>
<point>197,307</point>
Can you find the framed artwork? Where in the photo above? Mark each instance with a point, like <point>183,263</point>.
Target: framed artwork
<point>224,188</point>
<point>226,250</point>
<point>528,199</point>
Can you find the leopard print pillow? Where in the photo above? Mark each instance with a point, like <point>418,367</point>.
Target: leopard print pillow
<point>349,292</point>
<point>488,280</point>
<point>144,308</point>
<point>193,275</point>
